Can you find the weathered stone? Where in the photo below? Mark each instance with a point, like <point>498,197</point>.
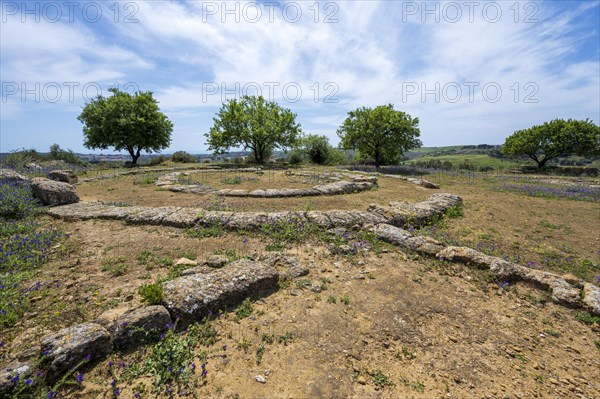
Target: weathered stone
<point>193,297</point>
<point>186,262</point>
<point>319,218</point>
<point>146,215</point>
<point>401,214</point>
<point>403,238</point>
<point>564,293</point>
<point>10,375</point>
<point>65,176</point>
<point>182,217</point>
<point>216,261</point>
<point>34,166</point>
<point>108,319</point>
<point>465,255</point>
<point>428,184</point>
<point>504,269</point>
<point>591,298</point>
<point>342,218</point>
<point>51,192</point>
<point>196,270</point>
<point>134,326</point>
<point>289,266</point>
<point>257,193</point>
<point>11,176</point>
<point>68,347</point>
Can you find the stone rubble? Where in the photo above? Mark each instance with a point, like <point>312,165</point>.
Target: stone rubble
<point>65,176</point>
<point>50,192</point>
<point>70,346</point>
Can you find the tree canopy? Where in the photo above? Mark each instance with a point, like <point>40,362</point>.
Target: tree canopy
<point>126,122</point>
<point>253,123</point>
<point>316,149</point>
<point>553,139</point>
<point>382,133</point>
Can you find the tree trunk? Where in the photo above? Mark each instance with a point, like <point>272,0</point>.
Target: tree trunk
<point>257,155</point>
<point>134,155</point>
<point>542,163</point>
<point>377,160</point>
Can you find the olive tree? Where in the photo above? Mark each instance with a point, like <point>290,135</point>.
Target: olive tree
<point>255,124</point>
<point>126,122</point>
<point>380,133</point>
<point>552,139</point>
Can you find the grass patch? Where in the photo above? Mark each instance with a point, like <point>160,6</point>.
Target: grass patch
<point>115,265</point>
<point>243,310</point>
<point>380,379</point>
<point>587,318</point>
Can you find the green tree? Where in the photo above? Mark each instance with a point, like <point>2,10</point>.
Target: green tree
<point>316,149</point>
<point>380,133</point>
<point>255,124</point>
<point>126,122</point>
<point>553,139</point>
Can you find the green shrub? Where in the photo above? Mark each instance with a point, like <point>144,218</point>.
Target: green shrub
<point>243,310</point>
<point>183,157</point>
<point>151,293</point>
<point>58,154</point>
<point>158,160</point>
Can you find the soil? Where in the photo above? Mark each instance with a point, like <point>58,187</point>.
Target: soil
<point>430,329</point>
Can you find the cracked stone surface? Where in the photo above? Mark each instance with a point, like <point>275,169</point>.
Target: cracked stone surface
<point>195,296</point>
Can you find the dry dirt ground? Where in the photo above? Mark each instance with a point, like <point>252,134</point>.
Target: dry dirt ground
<point>385,325</point>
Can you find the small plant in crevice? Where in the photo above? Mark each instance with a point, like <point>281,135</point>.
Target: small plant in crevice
<point>151,293</point>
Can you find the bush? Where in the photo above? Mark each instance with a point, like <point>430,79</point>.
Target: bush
<point>151,293</point>
<point>22,157</point>
<point>58,154</point>
<point>16,200</point>
<point>183,157</point>
<point>154,161</point>
<point>295,157</point>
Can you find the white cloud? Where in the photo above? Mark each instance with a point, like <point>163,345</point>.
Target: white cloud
<point>371,54</point>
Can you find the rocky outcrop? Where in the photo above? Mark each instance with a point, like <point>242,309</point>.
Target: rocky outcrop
<point>195,296</point>
<point>65,176</point>
<point>138,325</point>
<point>402,238</point>
<point>591,298</point>
<point>70,346</point>
<point>288,266</point>
<point>50,192</point>
<point>10,374</point>
<point>11,176</point>
<point>402,214</point>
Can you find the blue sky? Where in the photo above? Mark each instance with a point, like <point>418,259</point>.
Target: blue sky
<point>473,72</point>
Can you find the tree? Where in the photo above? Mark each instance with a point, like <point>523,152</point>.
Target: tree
<point>553,139</point>
<point>126,122</point>
<point>254,124</point>
<point>382,133</point>
<point>316,149</point>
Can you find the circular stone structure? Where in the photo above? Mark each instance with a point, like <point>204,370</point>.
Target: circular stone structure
<point>354,184</point>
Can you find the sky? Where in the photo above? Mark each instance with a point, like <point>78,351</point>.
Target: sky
<point>473,72</point>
